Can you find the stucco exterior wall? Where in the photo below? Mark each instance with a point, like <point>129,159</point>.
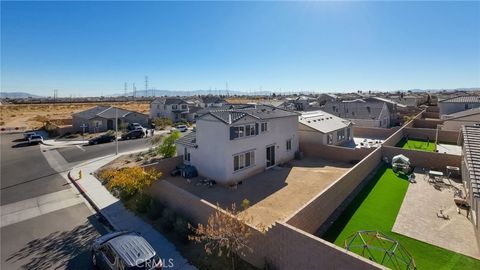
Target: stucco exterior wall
<point>213,157</point>
<point>453,107</point>
<point>308,135</point>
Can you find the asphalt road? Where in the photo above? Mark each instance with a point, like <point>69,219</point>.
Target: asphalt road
<point>25,173</point>
<point>45,225</point>
<point>74,154</point>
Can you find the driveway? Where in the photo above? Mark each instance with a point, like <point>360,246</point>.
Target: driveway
<point>274,194</point>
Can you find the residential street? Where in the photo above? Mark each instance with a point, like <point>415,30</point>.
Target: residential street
<point>45,223</point>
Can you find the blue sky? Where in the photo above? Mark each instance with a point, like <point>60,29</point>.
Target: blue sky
<point>92,48</point>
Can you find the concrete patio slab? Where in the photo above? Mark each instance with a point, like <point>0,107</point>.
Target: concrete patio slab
<point>418,218</point>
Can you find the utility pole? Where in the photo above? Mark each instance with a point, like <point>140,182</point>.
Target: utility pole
<point>134,92</point>
<point>146,86</point>
<point>116,131</point>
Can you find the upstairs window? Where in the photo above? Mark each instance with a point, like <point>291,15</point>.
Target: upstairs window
<point>184,107</point>
<point>263,127</point>
<point>289,144</point>
<point>242,131</point>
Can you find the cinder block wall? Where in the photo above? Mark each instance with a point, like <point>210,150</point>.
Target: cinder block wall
<point>335,153</point>
<point>424,123</point>
<point>423,159</point>
<point>165,166</point>
<point>316,211</point>
<point>284,246</point>
<point>378,133</point>
<point>444,136</point>
<point>287,247</point>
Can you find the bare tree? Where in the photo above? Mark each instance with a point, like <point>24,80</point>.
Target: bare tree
<point>225,232</point>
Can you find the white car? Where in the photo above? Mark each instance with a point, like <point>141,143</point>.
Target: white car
<point>35,139</point>
<point>181,128</point>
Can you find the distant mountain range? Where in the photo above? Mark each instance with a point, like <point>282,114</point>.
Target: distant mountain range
<point>17,95</point>
<point>157,93</point>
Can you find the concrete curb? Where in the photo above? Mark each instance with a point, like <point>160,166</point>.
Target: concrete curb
<point>82,192</point>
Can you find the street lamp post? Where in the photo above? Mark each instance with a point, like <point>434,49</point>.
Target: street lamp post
<point>116,131</point>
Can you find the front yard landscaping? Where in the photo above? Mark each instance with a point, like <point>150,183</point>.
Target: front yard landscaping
<point>419,145</point>
<point>376,208</point>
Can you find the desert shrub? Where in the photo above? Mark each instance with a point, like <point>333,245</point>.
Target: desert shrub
<point>129,180</point>
<point>168,219</point>
<point>155,210</point>
<point>142,203</point>
<point>51,129</point>
<point>162,123</point>
<point>156,139</point>
<point>245,204</point>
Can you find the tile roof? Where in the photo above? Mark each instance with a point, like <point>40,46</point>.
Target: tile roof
<point>322,121</point>
<point>462,99</point>
<point>354,110</point>
<point>189,140</point>
<point>212,99</point>
<point>169,100</point>
<point>103,111</point>
<point>231,113</point>
<point>471,144</point>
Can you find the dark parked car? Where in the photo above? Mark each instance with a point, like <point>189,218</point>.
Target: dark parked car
<point>124,250</point>
<point>102,139</point>
<point>134,134</point>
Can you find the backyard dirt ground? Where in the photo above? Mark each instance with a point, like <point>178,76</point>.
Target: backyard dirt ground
<point>26,115</point>
<point>275,194</point>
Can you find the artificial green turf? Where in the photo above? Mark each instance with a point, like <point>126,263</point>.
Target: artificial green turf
<point>411,144</point>
<point>376,208</point>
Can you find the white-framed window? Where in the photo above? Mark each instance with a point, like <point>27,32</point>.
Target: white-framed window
<point>250,130</point>
<point>340,135</point>
<point>243,131</point>
<point>174,107</point>
<point>329,138</point>
<point>158,106</point>
<point>263,127</point>
<point>243,160</point>
<point>184,106</point>
<point>289,144</point>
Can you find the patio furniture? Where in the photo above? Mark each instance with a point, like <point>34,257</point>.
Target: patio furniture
<point>401,164</point>
<point>440,214</point>
<point>435,176</point>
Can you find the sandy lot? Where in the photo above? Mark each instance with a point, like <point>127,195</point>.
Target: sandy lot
<point>27,115</point>
<point>274,194</point>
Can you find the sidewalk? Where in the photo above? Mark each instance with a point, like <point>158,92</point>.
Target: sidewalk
<point>52,142</point>
<point>120,218</point>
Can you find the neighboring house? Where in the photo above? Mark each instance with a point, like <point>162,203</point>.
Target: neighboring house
<point>174,108</point>
<point>278,103</point>
<point>102,118</point>
<point>231,144</point>
<point>211,101</point>
<point>458,104</point>
<point>455,121</point>
<point>324,128</point>
<point>325,97</point>
<point>362,114</point>
<point>471,170</point>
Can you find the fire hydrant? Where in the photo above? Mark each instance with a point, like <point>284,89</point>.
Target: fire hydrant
<point>80,174</point>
